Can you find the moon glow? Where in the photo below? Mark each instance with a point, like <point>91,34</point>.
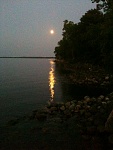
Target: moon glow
<point>52,31</point>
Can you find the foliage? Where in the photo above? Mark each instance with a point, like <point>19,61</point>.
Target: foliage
<point>106,5</point>
<point>90,40</point>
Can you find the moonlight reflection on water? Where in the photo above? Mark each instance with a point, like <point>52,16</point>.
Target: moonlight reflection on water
<point>51,80</point>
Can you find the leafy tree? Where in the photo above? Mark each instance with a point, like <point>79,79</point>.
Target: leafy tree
<point>106,5</point>
<point>91,24</point>
<point>61,49</point>
<point>90,40</point>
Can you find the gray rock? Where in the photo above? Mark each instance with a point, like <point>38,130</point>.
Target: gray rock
<point>86,97</point>
<point>88,107</point>
<point>107,98</point>
<point>67,104</point>
<point>104,103</point>
<point>107,78</point>
<point>72,107</point>
<point>101,97</point>
<point>111,94</point>
<point>78,107</point>
<point>93,99</point>
<point>62,108</point>
<point>53,109</point>
<point>80,103</point>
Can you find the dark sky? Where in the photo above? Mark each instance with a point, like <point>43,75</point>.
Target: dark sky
<point>25,24</point>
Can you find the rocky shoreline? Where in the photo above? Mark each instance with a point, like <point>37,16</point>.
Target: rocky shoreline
<point>91,117</point>
<point>87,74</point>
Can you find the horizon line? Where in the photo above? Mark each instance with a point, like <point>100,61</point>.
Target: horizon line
<point>27,57</point>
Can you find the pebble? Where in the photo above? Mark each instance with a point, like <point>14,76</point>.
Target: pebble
<point>72,107</point>
<point>68,104</point>
<point>62,108</point>
<point>53,109</point>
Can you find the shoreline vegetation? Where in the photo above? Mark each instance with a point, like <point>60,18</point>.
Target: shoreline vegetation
<point>86,74</point>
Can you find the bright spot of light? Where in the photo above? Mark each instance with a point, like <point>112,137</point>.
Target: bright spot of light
<point>52,31</point>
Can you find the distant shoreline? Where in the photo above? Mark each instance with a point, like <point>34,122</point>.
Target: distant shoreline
<point>31,57</point>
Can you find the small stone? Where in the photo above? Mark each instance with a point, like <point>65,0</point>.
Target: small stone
<point>80,103</point>
<point>74,101</point>
<point>62,108</point>
<point>86,97</point>
<point>53,109</point>
<point>107,98</point>
<point>72,107</point>
<point>93,99</point>
<point>101,96</point>
<point>99,100</point>
<point>104,103</point>
<point>111,94</point>
<point>87,100</point>
<point>88,107</point>
<point>67,104</point>
<point>78,107</point>
<point>107,78</point>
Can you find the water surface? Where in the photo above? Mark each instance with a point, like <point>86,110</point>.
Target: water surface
<point>27,84</point>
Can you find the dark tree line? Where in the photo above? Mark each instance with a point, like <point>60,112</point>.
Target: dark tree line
<point>90,40</point>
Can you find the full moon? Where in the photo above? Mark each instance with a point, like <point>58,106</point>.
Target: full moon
<point>52,31</point>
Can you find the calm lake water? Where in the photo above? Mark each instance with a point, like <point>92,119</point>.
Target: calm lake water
<point>27,84</point>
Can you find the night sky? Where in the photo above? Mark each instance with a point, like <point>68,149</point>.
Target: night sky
<point>25,24</point>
